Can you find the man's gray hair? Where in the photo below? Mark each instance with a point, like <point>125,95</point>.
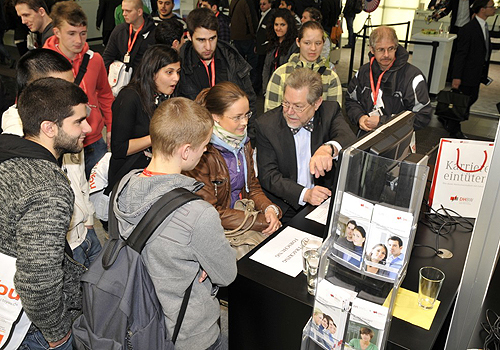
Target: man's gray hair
<point>380,33</point>
<point>305,77</point>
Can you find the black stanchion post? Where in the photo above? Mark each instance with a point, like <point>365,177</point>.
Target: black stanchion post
<point>407,34</point>
<point>435,45</point>
<point>351,60</point>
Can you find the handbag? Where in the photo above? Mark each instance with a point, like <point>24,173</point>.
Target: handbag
<point>119,76</point>
<point>242,238</point>
<point>14,323</point>
<point>336,32</point>
<point>452,105</point>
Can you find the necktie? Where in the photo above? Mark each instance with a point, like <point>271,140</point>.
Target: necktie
<point>309,126</point>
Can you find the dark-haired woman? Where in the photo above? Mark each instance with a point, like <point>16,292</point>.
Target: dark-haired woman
<point>226,168</point>
<point>358,239</point>
<point>281,35</point>
<point>154,82</point>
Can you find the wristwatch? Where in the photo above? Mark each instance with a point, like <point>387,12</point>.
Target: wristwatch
<point>331,146</point>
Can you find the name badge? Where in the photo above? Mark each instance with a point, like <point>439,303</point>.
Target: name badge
<point>126,58</point>
<point>377,112</point>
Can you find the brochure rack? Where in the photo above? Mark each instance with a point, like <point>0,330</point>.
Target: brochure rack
<point>360,271</point>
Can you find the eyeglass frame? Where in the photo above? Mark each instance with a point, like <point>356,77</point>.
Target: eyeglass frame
<point>287,105</point>
<point>240,118</point>
<point>389,49</point>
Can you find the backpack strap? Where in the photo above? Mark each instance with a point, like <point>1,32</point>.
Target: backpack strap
<point>155,216</point>
<point>83,69</point>
<point>182,311</point>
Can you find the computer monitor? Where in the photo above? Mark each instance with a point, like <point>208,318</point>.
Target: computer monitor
<point>391,142</point>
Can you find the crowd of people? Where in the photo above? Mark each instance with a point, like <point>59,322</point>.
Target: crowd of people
<point>186,118</point>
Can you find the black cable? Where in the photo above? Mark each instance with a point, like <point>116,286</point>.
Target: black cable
<point>442,223</point>
<point>493,330</point>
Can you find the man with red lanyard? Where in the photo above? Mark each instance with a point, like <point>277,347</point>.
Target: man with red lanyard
<point>387,85</point>
<point>129,40</point>
<point>70,40</point>
<point>207,61</point>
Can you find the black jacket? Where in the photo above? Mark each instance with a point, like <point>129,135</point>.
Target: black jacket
<point>403,89</point>
<point>276,155</point>
<point>261,35</point>
<point>470,64</point>
<point>118,43</point>
<point>331,10</point>
<point>238,72</point>
<point>452,7</point>
<point>106,14</point>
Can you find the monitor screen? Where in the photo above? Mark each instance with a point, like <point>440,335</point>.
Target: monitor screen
<point>390,140</point>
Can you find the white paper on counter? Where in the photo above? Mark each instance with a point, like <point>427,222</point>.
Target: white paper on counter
<point>320,214</point>
<point>284,252</point>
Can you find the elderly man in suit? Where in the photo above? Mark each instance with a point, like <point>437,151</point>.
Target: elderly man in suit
<point>472,59</point>
<point>298,142</point>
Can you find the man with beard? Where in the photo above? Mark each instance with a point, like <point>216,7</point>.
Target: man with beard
<point>37,206</point>
<point>207,61</point>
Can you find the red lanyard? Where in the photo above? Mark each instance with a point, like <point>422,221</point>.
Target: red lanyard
<point>217,14</point>
<point>148,173</point>
<point>375,91</point>
<point>276,53</point>
<point>211,79</point>
<point>130,40</point>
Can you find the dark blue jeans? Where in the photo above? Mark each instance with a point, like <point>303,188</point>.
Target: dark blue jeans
<point>93,153</point>
<point>350,29</point>
<point>217,345</point>
<point>86,252</point>
<point>36,341</point>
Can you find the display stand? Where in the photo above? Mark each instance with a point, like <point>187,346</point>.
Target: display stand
<point>356,277</point>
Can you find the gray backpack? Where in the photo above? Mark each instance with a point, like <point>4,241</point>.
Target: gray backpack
<point>120,306</point>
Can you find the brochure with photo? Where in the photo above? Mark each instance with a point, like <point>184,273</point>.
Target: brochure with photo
<point>331,308</point>
<point>372,238</point>
<point>387,243</point>
<point>352,229</point>
<point>366,325</point>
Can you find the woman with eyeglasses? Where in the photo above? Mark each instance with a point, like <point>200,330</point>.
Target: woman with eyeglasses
<point>227,167</point>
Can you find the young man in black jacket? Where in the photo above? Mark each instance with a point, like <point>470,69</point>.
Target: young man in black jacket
<point>138,27</point>
<point>207,61</point>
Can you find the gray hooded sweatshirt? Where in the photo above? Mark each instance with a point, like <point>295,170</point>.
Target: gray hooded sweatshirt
<point>189,241</point>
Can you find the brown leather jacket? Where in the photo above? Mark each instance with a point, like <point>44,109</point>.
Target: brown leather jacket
<point>213,172</point>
